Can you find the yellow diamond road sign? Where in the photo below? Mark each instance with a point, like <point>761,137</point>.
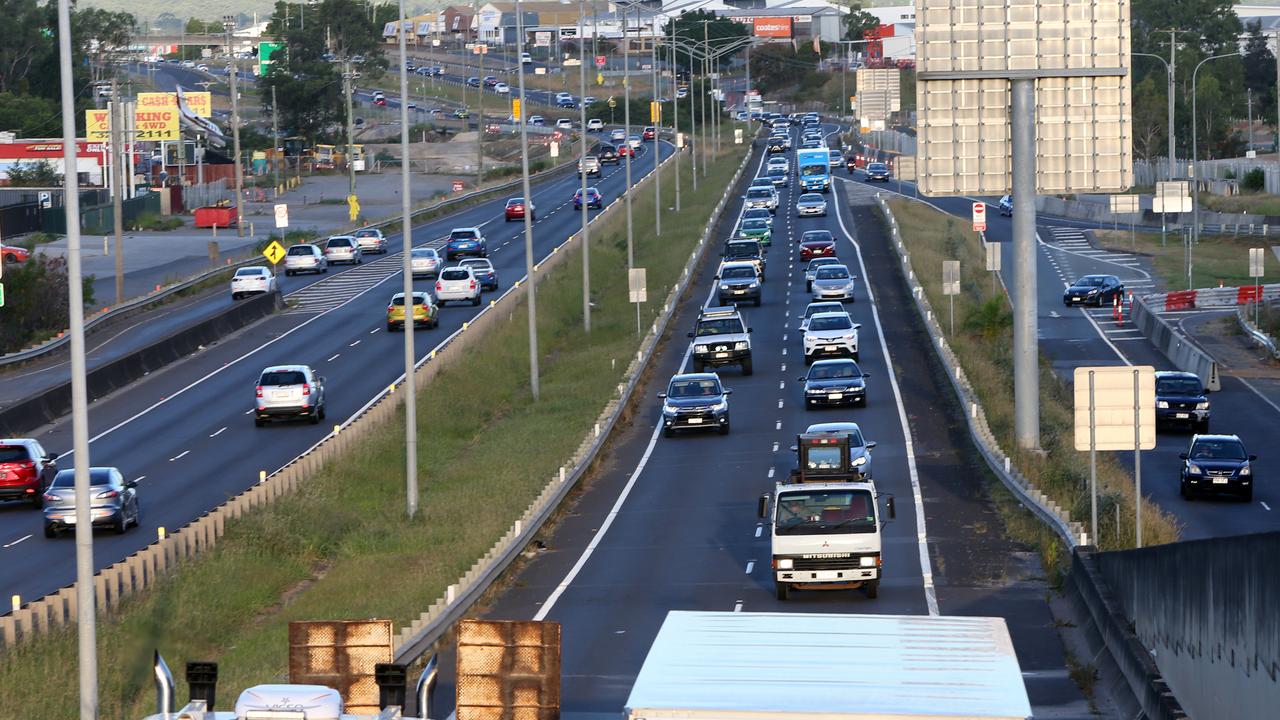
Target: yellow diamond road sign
<point>274,252</point>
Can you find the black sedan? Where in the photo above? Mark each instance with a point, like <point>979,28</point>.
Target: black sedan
<point>607,154</point>
<point>1096,290</point>
<point>835,382</point>
<point>1217,464</point>
<point>877,172</point>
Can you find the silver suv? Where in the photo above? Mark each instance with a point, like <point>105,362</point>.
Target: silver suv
<point>721,338</point>
<point>289,392</point>
<point>305,258</point>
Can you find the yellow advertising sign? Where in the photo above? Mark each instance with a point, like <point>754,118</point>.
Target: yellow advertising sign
<point>200,103</point>
<point>97,125</point>
<point>515,108</point>
<point>655,112</point>
<point>156,124</point>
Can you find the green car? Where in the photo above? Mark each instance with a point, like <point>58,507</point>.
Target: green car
<point>754,229</point>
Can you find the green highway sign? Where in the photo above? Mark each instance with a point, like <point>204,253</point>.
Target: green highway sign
<point>1,294</point>
<point>265,51</point>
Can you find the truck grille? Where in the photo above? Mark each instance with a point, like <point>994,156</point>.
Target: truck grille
<point>847,563</point>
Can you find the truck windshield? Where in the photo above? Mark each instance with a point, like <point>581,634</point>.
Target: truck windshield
<point>810,170</point>
<point>825,512</point>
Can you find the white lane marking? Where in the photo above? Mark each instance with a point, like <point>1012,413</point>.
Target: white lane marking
<point>782,384</point>
<point>751,565</point>
<point>775,447</point>
<point>737,607</point>
<point>922,538</point>
<point>218,433</point>
<point>373,331</point>
<point>15,542</point>
<point>784,367</point>
<point>779,403</point>
<point>180,455</point>
<point>140,478</point>
<point>335,357</point>
<point>771,471</point>
<point>777,425</point>
<point>352,345</point>
<point>759,530</point>
<point>1265,506</point>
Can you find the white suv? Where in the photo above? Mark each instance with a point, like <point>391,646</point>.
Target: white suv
<point>289,392</point>
<point>830,334</point>
<point>595,125</point>
<point>252,281</point>
<point>305,258</point>
<point>342,248</point>
<point>458,283</point>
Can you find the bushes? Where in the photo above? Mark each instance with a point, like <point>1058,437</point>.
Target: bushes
<point>1254,181</point>
<point>35,298</point>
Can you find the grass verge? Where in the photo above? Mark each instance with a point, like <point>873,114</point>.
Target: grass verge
<point>340,547</point>
<point>983,342</point>
<point>1245,203</point>
<point>1216,259</point>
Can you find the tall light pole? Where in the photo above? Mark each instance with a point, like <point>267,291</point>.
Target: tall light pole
<point>528,215</point>
<point>675,108</point>
<point>229,24</point>
<point>85,610</point>
<point>582,169</point>
<point>1173,161</point>
<point>1195,181</point>
<point>655,114</point>
<point>480,52</point>
<point>406,211</point>
<point>626,125</point>
<point>347,77</point>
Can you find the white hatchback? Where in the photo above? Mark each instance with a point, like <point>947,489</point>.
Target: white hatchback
<point>252,280</point>
<point>595,125</point>
<point>502,88</point>
<point>457,283</point>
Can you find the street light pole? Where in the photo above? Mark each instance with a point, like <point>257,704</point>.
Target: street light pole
<point>582,130</point>
<point>1195,181</point>
<point>229,24</point>
<point>86,612</point>
<point>480,114</point>
<point>351,129</point>
<point>1173,161</point>
<point>528,215</point>
<point>406,210</point>
<point>655,114</point>
<point>626,129</point>
<point>675,108</point>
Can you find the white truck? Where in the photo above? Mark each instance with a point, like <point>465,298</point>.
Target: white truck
<point>825,521</point>
<point>807,666</point>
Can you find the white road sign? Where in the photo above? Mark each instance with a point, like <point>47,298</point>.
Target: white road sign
<point>1116,392</point>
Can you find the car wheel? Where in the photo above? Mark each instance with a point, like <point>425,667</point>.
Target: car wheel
<point>782,591</point>
<point>121,525</point>
<point>855,356</point>
<point>507,219</point>
<point>314,417</point>
<point>871,589</point>
<point>1185,491</point>
<point>475,301</point>
<point>37,502</point>
<point>321,411</point>
<point>668,432</point>
<point>1202,427</point>
<point>288,273</point>
<point>391,327</point>
<point>49,531</point>
<point>137,513</point>
<point>808,287</point>
<point>259,422</point>
<point>746,367</point>
<point>808,359</point>
<point>324,270</point>
<point>724,429</point>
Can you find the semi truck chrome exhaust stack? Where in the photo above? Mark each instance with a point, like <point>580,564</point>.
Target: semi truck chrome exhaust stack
<point>164,685</point>
<point>427,687</point>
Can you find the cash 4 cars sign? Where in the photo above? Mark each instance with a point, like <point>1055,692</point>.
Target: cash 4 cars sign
<point>775,27</point>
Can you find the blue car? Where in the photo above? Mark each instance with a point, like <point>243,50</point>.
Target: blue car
<point>695,401</point>
<point>465,242</point>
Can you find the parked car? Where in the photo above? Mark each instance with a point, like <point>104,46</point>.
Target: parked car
<point>484,271</point>
<point>457,283</point>
<point>1096,290</point>
<point>1181,401</point>
<point>594,198</point>
<point>695,401</point>
<point>11,254</point>
<point>516,208</point>
<point>465,242</point>
<point>371,240</point>
<point>424,262</point>
<point>253,280</point>
<point>113,501</point>
<point>425,311</point>
<point>305,257</point>
<point>836,382</point>
<point>289,392</point>
<point>1217,464</point>
<point>342,248</point>
<point>26,469</point>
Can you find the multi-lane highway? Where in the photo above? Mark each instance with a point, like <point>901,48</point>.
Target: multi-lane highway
<point>672,523</point>
<point>186,432</point>
<point>1074,337</point>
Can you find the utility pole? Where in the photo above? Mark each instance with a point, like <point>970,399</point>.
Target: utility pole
<point>229,24</point>
<point>275,142</point>
<point>475,9</point>
<point>1173,73</point>
<point>626,124</point>
<point>675,108</point>
<point>582,171</point>
<point>406,210</point>
<point>656,116</point>
<point>351,128</point>
<point>706,137</point>
<point>528,216</point>
<point>117,181</point>
<point>86,612</point>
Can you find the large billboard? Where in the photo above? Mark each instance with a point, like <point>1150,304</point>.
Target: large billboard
<point>773,27</point>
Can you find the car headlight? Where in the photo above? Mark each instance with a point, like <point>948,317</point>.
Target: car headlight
<point>860,461</point>
<point>1162,404</point>
<point>850,337</point>
<point>668,409</point>
<point>1202,406</point>
<point>785,564</point>
<point>741,345</point>
<point>1245,471</point>
<point>867,561</point>
<point>1093,291</point>
<point>1194,469</point>
<point>849,285</point>
<point>701,348</point>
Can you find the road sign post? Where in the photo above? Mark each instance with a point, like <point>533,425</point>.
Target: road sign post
<point>1126,205</point>
<point>274,253</point>
<point>979,217</point>
<point>951,286</point>
<point>993,262</point>
<point>282,215</point>
<point>1115,409</point>
<point>637,290</point>
<point>1257,257</point>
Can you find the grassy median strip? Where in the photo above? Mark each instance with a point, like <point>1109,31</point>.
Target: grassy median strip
<point>983,342</point>
<point>1215,259</point>
<point>340,546</point>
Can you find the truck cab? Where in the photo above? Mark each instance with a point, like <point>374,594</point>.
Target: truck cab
<point>825,536</point>
<point>831,452</point>
<point>814,168</point>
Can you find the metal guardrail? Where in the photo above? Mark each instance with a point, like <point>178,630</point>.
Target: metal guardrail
<point>1255,332</point>
<point>1181,351</point>
<point>156,297</point>
<point>1056,517</point>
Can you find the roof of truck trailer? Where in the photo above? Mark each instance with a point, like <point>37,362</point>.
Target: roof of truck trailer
<point>727,664</point>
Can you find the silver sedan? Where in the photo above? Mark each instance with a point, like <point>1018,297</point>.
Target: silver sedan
<point>424,262</point>
<point>833,282</point>
<point>811,204</point>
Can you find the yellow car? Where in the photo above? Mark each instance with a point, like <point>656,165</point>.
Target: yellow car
<point>425,311</point>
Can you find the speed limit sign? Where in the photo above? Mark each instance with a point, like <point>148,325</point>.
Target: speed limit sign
<point>979,217</point>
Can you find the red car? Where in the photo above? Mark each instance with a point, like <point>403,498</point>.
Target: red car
<point>11,254</point>
<point>515,210</point>
<point>649,133</point>
<point>25,470</point>
<point>625,150</point>
<point>816,249</point>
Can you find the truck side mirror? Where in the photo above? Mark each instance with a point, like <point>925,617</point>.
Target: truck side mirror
<point>690,334</point>
<point>893,509</point>
<point>762,506</point>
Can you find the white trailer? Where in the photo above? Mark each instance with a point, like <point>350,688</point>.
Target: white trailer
<point>749,666</point>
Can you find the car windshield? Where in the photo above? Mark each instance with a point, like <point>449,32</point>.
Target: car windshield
<point>479,265</point>
<point>777,171</point>
<point>1178,386</point>
<point>743,250</point>
<point>813,170</point>
<point>693,388</point>
<point>67,478</point>
<point>399,300</point>
<point>462,235</point>
<point>834,370</point>
<point>366,233</point>
<point>835,272</point>
<point>1218,450</point>
<point>754,224</point>
<point>1090,281</point>
<point>720,326</point>
<point>877,167</point>
<point>816,308</point>
<point>340,242</point>
<point>809,513</point>
<point>756,213</point>
<point>759,193</point>
<point>250,272</point>
<point>812,198</point>
<point>738,273</point>
<point>424,253</point>
<point>454,275</point>
<point>835,322</point>
<point>297,250</point>
<point>812,235</point>
<point>283,377</point>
